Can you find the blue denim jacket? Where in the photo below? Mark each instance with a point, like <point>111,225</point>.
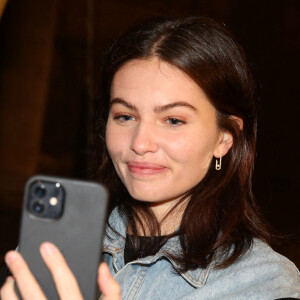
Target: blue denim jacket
<point>259,274</point>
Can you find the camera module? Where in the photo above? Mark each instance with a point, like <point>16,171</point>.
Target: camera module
<point>46,199</point>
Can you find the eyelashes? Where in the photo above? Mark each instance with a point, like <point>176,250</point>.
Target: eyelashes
<point>127,119</point>
<point>175,122</point>
<point>124,118</point>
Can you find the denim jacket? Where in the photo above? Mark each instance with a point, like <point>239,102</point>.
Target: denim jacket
<point>260,274</point>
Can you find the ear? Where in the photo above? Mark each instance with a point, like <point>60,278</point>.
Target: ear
<point>225,141</point>
<point>238,121</point>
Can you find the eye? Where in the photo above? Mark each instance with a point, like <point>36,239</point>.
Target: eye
<point>174,122</point>
<point>123,118</point>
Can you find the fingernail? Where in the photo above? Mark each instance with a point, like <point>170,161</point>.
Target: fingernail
<point>10,257</point>
<point>47,249</point>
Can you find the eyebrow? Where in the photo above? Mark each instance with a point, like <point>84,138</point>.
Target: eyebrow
<point>122,102</point>
<point>174,104</point>
<point>157,109</point>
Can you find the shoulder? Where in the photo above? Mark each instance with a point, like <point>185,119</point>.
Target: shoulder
<point>261,271</point>
<point>268,260</point>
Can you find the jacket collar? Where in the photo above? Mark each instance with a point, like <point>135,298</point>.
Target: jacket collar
<point>114,243</point>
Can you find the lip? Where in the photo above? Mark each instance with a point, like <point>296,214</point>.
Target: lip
<point>145,168</point>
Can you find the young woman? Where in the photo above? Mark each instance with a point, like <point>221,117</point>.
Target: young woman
<point>175,145</point>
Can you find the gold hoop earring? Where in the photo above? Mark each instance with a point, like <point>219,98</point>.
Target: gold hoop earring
<point>219,163</point>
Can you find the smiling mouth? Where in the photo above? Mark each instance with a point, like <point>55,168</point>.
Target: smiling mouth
<point>145,168</point>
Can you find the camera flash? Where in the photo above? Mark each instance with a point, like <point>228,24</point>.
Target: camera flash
<point>53,201</point>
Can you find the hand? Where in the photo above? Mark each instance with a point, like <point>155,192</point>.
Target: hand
<point>109,287</point>
<point>64,279</point>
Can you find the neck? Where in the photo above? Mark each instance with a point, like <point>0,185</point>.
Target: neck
<point>168,218</point>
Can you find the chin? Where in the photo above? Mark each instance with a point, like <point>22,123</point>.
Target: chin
<point>145,198</point>
<point>151,197</point>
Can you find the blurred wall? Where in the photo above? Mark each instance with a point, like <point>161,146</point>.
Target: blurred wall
<point>50,54</point>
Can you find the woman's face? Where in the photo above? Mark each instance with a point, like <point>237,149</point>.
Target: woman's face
<point>161,131</point>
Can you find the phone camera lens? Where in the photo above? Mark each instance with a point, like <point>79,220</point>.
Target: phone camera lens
<point>40,191</point>
<point>38,207</point>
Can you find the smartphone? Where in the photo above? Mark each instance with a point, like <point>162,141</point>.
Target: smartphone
<point>71,214</point>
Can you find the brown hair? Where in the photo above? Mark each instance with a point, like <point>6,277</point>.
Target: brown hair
<point>221,213</point>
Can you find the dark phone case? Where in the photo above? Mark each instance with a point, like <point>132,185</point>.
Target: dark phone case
<point>78,234</point>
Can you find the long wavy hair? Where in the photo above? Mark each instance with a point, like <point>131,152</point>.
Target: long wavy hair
<point>221,215</point>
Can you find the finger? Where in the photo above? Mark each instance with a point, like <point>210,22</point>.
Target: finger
<point>109,287</point>
<point>8,290</point>
<point>66,284</point>
<point>27,284</point>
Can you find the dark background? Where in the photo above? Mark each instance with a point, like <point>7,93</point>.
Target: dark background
<point>50,54</point>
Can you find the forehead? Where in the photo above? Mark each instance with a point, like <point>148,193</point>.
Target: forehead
<point>143,71</point>
<point>154,80</point>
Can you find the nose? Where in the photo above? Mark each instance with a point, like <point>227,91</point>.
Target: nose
<point>144,139</point>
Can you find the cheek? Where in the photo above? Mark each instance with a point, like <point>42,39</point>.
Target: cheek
<point>108,139</point>
<point>112,141</point>
<point>192,149</point>
<point>113,147</point>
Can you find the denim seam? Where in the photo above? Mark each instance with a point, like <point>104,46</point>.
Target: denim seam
<point>137,283</point>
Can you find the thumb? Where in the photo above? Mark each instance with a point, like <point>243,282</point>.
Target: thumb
<point>109,287</point>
